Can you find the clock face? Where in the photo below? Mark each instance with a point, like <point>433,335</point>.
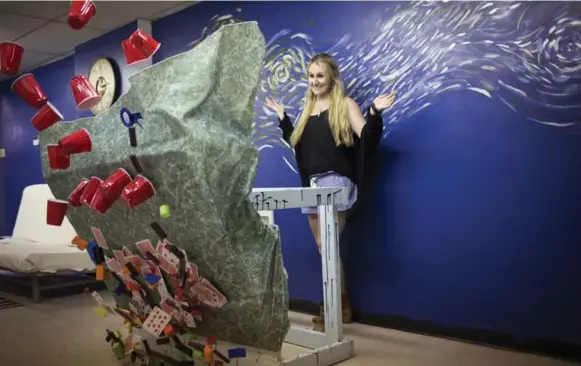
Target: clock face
<point>102,76</point>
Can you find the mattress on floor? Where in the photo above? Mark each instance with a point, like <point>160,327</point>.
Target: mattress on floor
<point>25,256</point>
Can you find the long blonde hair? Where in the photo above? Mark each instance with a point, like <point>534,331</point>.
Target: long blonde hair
<point>338,112</point>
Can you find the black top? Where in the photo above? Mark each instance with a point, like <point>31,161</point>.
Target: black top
<point>316,152</point>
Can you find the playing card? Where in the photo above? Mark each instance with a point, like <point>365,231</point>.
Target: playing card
<point>220,298</point>
<point>99,299</point>
<point>120,257</point>
<point>156,321</point>
<point>99,238</point>
<point>206,295</point>
<point>113,265</point>
<point>126,251</point>
<point>189,319</point>
<point>144,247</point>
<point>193,274</point>
<point>137,261</point>
<point>167,262</point>
<point>170,308</point>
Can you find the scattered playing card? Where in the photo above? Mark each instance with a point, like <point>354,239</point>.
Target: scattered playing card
<point>99,237</point>
<point>99,299</point>
<point>144,247</point>
<point>113,265</point>
<point>219,297</point>
<point>156,321</point>
<point>169,307</point>
<point>168,262</point>
<point>120,257</point>
<point>206,295</point>
<point>126,251</point>
<point>189,319</point>
<point>193,274</point>
<point>136,260</point>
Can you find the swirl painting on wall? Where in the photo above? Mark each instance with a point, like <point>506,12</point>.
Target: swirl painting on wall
<point>526,55</point>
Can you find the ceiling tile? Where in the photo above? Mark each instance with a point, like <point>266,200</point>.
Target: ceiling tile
<point>13,26</point>
<point>175,9</point>
<point>113,14</point>
<point>56,38</point>
<point>39,9</point>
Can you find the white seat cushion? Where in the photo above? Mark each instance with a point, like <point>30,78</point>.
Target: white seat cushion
<point>31,220</point>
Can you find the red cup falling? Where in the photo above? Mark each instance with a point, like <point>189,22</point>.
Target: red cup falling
<point>85,94</point>
<point>114,184</point>
<point>57,159</point>
<point>56,210</point>
<point>27,88</point>
<point>80,12</point>
<point>101,202</point>
<point>46,116</point>
<point>140,46</point>
<point>10,58</point>
<point>75,196</point>
<point>77,142</point>
<point>137,192</point>
<point>90,189</point>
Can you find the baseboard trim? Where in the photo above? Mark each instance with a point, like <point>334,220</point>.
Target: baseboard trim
<point>562,350</point>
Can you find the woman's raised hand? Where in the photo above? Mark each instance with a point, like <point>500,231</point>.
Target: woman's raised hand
<point>384,101</point>
<point>274,106</point>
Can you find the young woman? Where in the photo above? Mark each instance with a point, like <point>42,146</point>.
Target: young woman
<point>332,141</point>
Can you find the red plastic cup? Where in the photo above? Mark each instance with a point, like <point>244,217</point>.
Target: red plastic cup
<point>90,190</point>
<point>10,58</point>
<point>85,94</point>
<point>46,116</point>
<point>101,202</point>
<point>57,158</point>
<point>140,46</point>
<point>137,192</point>
<point>75,196</point>
<point>80,12</point>
<point>56,210</point>
<point>27,88</point>
<point>114,184</point>
<point>132,54</point>
<point>77,142</point>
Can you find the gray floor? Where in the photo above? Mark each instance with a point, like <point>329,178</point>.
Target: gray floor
<point>66,331</point>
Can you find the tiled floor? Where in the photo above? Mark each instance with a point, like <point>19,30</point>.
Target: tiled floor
<point>66,331</point>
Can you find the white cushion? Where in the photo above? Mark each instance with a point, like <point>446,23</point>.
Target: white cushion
<point>31,219</point>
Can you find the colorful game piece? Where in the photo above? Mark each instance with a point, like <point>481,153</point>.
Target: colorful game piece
<point>236,352</point>
<point>164,211</point>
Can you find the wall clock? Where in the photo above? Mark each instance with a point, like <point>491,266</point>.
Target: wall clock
<point>104,76</point>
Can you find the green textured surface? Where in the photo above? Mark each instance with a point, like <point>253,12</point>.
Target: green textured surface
<point>197,149</point>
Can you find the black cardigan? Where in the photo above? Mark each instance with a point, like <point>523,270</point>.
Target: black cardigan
<point>364,146</point>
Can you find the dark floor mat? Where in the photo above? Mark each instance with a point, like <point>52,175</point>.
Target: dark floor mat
<point>7,304</point>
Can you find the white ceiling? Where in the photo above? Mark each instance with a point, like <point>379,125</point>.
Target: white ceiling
<point>41,28</point>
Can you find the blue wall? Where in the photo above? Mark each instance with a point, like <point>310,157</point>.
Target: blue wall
<point>473,212</point>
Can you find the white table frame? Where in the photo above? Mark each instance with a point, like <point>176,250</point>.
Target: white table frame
<point>330,347</point>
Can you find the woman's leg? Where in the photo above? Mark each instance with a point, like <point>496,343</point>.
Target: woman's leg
<point>346,307</point>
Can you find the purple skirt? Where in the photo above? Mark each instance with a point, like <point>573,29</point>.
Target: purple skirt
<point>333,179</point>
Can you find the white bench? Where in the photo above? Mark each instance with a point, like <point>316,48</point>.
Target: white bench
<point>39,255</point>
